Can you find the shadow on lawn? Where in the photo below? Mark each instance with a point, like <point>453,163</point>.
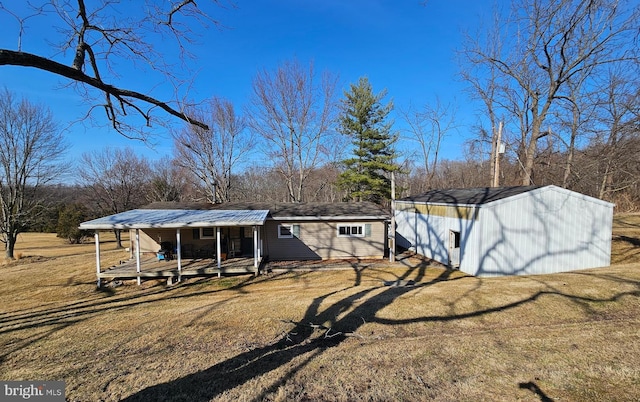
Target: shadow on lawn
<point>298,347</point>
<point>305,342</point>
<point>533,387</point>
<point>52,319</point>
<point>302,340</point>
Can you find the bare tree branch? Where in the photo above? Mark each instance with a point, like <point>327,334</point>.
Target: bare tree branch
<point>101,37</point>
<point>9,57</point>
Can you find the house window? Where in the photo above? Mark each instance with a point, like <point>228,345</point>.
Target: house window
<point>351,230</point>
<point>285,231</point>
<point>207,233</point>
<point>288,231</point>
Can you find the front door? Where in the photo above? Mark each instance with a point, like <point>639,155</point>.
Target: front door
<point>246,242</point>
<point>454,249</point>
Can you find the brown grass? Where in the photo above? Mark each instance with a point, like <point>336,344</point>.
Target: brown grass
<point>323,335</point>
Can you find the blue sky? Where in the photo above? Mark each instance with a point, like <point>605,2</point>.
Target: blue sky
<point>406,46</point>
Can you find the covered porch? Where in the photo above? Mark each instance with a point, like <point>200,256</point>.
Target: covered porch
<point>155,264</point>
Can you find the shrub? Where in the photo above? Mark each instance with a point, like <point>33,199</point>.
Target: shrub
<point>69,219</point>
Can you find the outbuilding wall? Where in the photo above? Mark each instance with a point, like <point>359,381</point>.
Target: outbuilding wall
<point>426,228</point>
<point>546,230</point>
<point>543,231</point>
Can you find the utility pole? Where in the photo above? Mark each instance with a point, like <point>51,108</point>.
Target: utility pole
<point>392,229</point>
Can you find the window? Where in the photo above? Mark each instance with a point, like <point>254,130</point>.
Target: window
<point>288,231</point>
<point>285,231</point>
<point>207,233</point>
<point>351,230</point>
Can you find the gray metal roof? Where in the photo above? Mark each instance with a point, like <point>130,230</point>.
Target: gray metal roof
<point>177,218</point>
<point>313,210</point>
<point>469,196</point>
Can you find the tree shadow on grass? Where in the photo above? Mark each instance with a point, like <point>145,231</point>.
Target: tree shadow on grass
<point>533,387</point>
<point>49,319</point>
<point>311,337</point>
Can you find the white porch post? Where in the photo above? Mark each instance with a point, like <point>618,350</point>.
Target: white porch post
<point>218,249</point>
<point>256,249</point>
<point>179,253</point>
<point>259,249</point>
<point>260,245</point>
<point>97,237</point>
<point>138,254</point>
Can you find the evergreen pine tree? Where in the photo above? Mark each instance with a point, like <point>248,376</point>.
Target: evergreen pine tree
<point>364,119</point>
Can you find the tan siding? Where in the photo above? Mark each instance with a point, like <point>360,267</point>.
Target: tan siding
<point>319,240</point>
<point>447,211</point>
<point>150,240</point>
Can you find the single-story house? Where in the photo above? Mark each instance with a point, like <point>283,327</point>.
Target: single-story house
<point>275,231</point>
<point>507,230</point>
<point>315,230</point>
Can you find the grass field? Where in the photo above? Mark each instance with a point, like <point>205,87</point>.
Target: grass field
<point>323,336</point>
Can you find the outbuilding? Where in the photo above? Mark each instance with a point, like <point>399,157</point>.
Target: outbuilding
<point>507,230</point>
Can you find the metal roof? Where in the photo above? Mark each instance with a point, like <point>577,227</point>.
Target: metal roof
<point>300,211</point>
<point>469,196</point>
<point>177,218</point>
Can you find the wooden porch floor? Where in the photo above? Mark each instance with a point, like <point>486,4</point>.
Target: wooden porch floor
<point>150,267</point>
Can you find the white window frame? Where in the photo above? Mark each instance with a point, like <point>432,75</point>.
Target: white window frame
<point>289,227</point>
<point>202,236</point>
<point>350,226</point>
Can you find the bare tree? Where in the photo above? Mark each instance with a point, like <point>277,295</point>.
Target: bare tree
<point>485,85</point>
<point>213,154</point>
<point>294,114</point>
<point>169,182</point>
<point>261,184</point>
<point>116,179</point>
<point>575,115</point>
<point>428,127</point>
<point>546,44</point>
<point>619,117</point>
<point>102,39</point>
<point>30,149</point>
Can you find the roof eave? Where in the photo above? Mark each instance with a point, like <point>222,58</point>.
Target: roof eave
<point>330,218</point>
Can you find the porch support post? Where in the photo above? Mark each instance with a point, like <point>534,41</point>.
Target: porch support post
<point>138,255</point>
<point>179,253</point>
<point>259,244</point>
<point>256,248</point>
<point>131,240</point>
<point>97,237</point>
<point>218,249</point>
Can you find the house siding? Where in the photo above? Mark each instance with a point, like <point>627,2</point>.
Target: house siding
<point>150,240</point>
<point>319,240</point>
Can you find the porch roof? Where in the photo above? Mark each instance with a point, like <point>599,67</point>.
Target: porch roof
<point>177,218</point>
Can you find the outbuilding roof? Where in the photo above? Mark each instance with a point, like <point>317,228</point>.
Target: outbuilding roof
<point>469,196</point>
<point>177,218</point>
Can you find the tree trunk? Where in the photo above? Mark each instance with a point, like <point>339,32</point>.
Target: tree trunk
<point>572,146</point>
<point>10,246</point>
<point>527,176</point>
<point>118,235</point>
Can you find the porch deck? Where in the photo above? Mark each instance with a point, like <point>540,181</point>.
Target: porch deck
<point>150,267</point>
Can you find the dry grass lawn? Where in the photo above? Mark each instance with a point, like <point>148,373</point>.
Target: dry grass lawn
<point>323,336</point>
